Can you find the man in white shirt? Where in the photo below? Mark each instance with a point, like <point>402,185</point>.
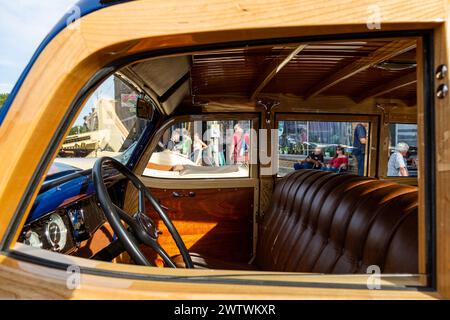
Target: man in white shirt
<point>396,164</point>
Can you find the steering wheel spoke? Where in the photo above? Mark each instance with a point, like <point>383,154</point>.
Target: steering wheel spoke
<point>154,244</point>
<point>163,254</point>
<point>125,217</point>
<point>141,201</point>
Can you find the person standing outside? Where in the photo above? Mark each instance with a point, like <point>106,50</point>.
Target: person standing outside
<point>199,146</point>
<point>240,145</point>
<point>359,146</point>
<point>396,164</point>
<point>186,143</point>
<point>174,140</point>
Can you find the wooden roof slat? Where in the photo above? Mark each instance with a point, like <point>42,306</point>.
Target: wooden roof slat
<point>390,86</point>
<point>274,67</point>
<point>388,51</point>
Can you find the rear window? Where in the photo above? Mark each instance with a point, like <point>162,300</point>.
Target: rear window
<point>338,146</point>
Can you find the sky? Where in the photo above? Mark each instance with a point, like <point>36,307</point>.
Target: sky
<point>23,25</point>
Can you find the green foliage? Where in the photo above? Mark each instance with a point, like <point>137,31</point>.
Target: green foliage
<point>3,97</point>
<point>77,130</point>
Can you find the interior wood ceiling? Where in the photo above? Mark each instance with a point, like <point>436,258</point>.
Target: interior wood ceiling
<point>344,68</point>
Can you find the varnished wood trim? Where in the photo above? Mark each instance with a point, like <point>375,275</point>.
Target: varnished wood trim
<point>390,50</point>
<point>335,104</point>
<point>271,71</point>
<point>422,223</point>
<point>442,149</point>
<point>198,183</point>
<point>409,181</point>
<point>141,280</point>
<point>393,85</point>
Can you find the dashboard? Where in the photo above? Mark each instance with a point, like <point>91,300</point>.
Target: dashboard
<point>64,229</point>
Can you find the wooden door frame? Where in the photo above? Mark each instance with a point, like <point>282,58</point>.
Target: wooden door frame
<point>167,183</point>
<point>51,96</point>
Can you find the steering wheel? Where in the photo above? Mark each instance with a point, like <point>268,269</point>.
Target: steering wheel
<point>142,229</point>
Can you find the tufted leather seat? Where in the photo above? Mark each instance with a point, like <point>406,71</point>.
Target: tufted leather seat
<point>334,223</point>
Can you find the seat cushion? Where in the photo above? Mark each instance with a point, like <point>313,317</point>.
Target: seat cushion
<point>324,222</point>
<point>339,223</point>
<point>203,262</point>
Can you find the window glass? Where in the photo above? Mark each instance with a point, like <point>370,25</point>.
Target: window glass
<point>106,126</point>
<point>203,149</point>
<point>323,145</point>
<point>403,161</point>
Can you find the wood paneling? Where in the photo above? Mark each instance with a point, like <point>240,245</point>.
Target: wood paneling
<point>24,280</point>
<point>421,180</point>
<point>272,69</point>
<point>99,240</point>
<point>215,222</point>
<point>346,68</point>
<point>384,88</point>
<point>442,140</point>
<point>386,52</point>
<point>267,184</point>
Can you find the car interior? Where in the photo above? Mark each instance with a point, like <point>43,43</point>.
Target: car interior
<point>226,159</point>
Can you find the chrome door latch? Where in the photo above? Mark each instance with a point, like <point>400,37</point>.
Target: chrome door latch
<point>441,74</point>
<point>442,91</point>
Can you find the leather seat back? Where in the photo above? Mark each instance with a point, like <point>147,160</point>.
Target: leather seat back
<point>339,223</point>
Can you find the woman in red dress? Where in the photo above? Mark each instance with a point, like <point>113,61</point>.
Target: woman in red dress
<point>240,145</point>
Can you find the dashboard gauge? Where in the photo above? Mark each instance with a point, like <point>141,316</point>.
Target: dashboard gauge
<point>56,232</point>
<point>33,239</point>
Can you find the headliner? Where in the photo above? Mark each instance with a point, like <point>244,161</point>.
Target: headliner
<point>357,69</point>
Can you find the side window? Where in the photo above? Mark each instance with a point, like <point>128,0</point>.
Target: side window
<point>203,149</point>
<point>106,126</point>
<point>336,146</point>
<point>403,161</point>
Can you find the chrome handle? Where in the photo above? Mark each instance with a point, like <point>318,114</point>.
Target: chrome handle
<point>190,194</point>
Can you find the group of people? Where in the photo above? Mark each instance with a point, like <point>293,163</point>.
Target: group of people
<point>315,160</point>
<point>238,149</point>
<point>339,162</point>
<point>396,164</point>
<point>181,142</point>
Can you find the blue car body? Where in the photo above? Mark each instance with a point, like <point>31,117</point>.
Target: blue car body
<point>55,197</point>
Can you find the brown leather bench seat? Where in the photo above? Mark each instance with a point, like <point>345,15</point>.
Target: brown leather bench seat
<point>324,222</point>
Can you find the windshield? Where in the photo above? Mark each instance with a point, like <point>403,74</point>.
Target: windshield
<point>106,126</point>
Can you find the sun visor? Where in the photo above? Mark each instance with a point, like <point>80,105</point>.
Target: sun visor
<point>176,97</point>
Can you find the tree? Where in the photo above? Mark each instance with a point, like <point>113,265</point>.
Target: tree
<point>77,130</point>
<point>3,97</point>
